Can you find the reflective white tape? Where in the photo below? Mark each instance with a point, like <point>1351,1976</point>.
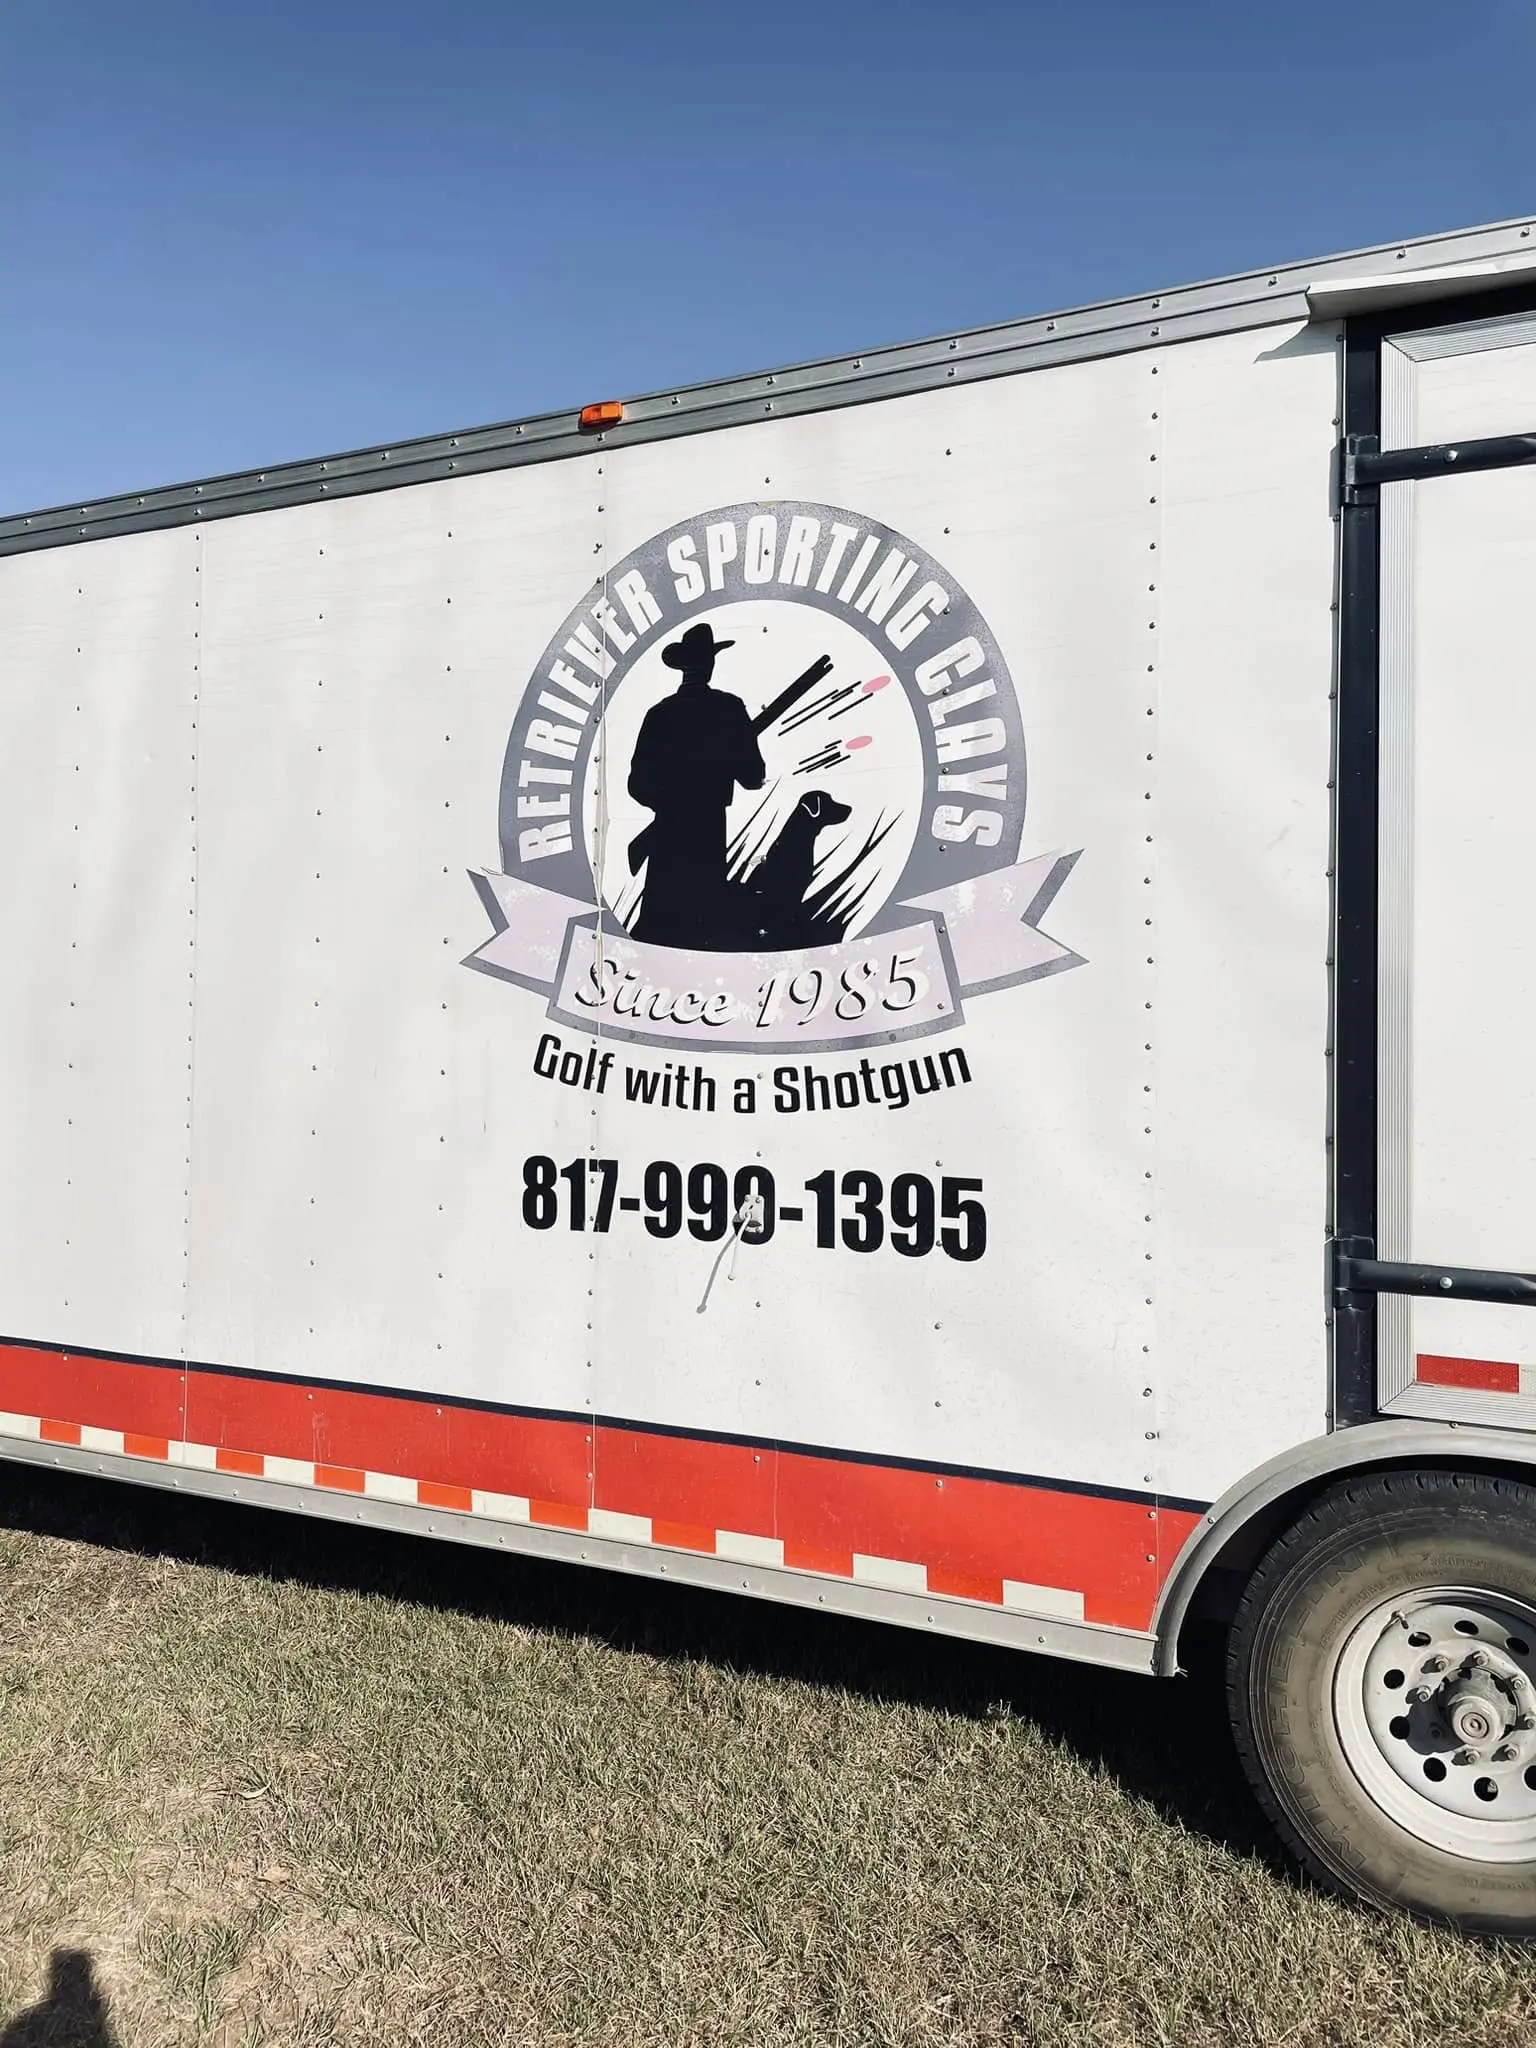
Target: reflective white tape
<point>292,1471</point>
<point>626,1528</point>
<point>200,1457</point>
<point>892,1572</point>
<point>390,1486</point>
<point>743,1549</point>
<point>1055,1601</point>
<point>502,1507</point>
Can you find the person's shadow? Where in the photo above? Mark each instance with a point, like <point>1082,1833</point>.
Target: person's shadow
<point>71,2014</point>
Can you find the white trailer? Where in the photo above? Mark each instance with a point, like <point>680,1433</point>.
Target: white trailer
<point>881,986</point>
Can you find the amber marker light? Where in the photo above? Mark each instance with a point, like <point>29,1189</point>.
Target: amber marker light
<point>606,413</point>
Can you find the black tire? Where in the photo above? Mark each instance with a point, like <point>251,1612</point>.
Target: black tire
<point>1337,1598</point>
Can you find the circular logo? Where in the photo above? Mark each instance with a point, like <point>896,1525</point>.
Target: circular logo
<point>904,725</point>
<point>765,738</point>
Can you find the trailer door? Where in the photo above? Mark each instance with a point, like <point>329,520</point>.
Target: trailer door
<point>1456,1162</point>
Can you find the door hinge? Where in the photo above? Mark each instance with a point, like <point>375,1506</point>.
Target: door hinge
<point>1344,1254</point>
<point>1359,449</point>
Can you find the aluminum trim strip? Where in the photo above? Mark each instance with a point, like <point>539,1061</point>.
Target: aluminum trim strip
<point>1340,297</point>
<point>1252,299</point>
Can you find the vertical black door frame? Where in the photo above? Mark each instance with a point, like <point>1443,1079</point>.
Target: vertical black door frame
<point>1352,1390</point>
<point>1352,1394</point>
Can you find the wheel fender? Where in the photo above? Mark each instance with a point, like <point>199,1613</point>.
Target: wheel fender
<point>1258,1503</point>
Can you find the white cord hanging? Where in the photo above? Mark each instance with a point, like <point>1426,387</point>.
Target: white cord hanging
<point>748,1217</point>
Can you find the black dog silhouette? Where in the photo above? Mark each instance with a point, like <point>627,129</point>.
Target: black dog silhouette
<point>781,880</point>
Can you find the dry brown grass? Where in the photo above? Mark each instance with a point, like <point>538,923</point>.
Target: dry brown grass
<point>284,1784</point>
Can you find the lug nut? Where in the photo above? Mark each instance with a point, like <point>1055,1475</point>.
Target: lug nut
<point>1505,1753</point>
<point>1465,1756</point>
<point>1434,1663</point>
<point>1418,1694</point>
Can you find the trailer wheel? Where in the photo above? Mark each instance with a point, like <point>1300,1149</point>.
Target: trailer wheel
<point>1381,1677</point>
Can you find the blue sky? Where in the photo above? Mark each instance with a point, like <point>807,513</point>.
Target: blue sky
<point>231,235</point>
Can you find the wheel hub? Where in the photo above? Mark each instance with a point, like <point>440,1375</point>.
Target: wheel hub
<point>1479,1710</point>
<point>1435,1705</point>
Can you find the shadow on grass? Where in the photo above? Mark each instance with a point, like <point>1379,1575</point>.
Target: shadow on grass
<point>72,2012</point>
<point>1165,1742</point>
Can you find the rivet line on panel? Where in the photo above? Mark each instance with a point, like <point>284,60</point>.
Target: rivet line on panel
<point>599,853</point>
<point>1147,893</point>
<point>195,738</point>
<point>66,1150</point>
<point>444,1107</point>
<point>317,999</point>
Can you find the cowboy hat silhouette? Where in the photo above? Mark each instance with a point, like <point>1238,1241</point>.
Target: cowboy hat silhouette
<point>696,649</point>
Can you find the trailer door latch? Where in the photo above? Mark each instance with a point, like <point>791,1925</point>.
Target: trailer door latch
<point>1355,1275</point>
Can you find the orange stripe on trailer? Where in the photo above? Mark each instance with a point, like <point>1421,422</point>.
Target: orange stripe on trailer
<point>818,1557</point>
<point>1482,1375</point>
<point>964,1585</point>
<point>432,1495</point>
<point>985,1528</point>
<point>145,1446</point>
<point>963,1534</point>
<point>553,1514</point>
<point>687,1479</point>
<point>683,1536</point>
<point>108,1393</point>
<point>249,1464</point>
<point>339,1478</point>
<point>532,1456</point>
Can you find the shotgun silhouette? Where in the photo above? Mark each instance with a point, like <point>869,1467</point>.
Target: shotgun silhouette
<point>640,845</point>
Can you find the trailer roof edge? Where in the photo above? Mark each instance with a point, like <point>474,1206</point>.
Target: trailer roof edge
<point>1339,297</point>
<point>1320,288</point>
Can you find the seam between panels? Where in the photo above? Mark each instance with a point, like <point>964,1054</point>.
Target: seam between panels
<point>599,857</point>
<point>1155,401</point>
<point>195,794</point>
<point>69,1023</point>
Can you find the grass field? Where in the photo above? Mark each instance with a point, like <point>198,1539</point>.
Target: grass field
<point>263,1781</point>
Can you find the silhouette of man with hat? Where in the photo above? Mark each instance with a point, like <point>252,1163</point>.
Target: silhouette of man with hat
<point>694,748</point>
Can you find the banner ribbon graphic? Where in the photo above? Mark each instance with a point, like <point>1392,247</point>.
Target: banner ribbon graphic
<point>903,981</point>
